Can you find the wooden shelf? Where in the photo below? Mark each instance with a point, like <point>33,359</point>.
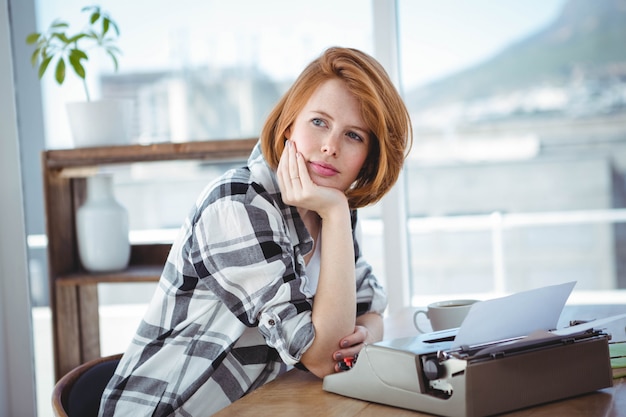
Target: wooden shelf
<point>73,291</point>
<point>218,150</point>
<point>146,273</point>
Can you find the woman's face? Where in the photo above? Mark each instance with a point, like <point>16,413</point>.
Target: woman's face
<point>331,136</point>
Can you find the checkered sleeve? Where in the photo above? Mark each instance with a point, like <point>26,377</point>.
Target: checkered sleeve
<point>242,253</point>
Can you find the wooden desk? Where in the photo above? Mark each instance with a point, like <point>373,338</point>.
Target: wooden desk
<point>298,393</point>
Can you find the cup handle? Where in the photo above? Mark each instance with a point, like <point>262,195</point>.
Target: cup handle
<point>417,313</point>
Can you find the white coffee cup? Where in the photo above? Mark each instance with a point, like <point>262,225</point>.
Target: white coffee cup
<point>444,315</point>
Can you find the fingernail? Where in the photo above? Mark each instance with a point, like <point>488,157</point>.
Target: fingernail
<point>338,356</point>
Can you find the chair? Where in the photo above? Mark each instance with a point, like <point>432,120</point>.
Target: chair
<point>78,393</point>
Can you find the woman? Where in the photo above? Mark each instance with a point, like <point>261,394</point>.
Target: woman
<point>267,273</point>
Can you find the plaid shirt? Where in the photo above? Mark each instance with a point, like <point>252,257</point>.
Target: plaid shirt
<point>232,310</point>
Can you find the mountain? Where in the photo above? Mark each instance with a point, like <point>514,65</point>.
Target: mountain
<point>588,38</point>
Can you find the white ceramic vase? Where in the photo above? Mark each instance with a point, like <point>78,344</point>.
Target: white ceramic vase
<point>102,228</point>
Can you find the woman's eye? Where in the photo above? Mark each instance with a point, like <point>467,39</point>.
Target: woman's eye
<point>318,122</point>
<point>355,136</point>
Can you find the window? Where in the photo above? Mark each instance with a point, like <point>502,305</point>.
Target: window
<point>516,179</point>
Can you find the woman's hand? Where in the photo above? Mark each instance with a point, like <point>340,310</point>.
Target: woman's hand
<point>368,329</point>
<point>299,190</point>
<point>351,345</point>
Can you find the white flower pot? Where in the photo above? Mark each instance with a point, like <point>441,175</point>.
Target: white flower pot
<point>102,228</point>
<point>100,123</point>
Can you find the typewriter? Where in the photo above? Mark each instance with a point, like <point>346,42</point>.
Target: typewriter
<point>433,373</point>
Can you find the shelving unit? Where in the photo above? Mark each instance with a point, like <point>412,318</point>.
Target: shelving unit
<point>73,290</point>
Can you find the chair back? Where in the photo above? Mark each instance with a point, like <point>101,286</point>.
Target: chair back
<point>79,392</point>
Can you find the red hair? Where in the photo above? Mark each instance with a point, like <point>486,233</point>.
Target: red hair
<point>382,109</point>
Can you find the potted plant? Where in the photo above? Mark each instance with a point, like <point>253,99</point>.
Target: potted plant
<point>93,123</point>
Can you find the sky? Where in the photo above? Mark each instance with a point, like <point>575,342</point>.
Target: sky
<point>440,37</point>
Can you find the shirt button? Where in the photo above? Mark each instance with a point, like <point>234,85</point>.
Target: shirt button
<point>271,322</point>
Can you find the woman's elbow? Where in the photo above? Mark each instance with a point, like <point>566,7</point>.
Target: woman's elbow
<point>319,368</point>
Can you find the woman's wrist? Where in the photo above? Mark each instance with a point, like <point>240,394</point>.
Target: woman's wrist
<point>339,212</point>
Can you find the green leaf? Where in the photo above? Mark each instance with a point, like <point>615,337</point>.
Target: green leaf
<point>44,66</point>
<point>42,43</point>
<point>105,26</point>
<point>94,17</point>
<point>76,64</point>
<point>78,54</point>
<point>62,37</point>
<point>34,57</point>
<point>59,73</point>
<point>75,38</point>
<point>59,24</point>
<point>32,38</point>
